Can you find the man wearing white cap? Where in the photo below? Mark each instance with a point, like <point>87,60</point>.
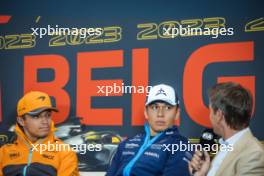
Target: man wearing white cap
<point>150,153</point>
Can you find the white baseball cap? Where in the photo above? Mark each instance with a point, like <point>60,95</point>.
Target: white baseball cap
<point>162,92</point>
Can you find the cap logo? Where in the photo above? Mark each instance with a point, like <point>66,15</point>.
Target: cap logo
<point>161,91</point>
<point>41,98</point>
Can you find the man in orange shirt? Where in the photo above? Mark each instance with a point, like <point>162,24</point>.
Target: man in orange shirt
<point>34,133</point>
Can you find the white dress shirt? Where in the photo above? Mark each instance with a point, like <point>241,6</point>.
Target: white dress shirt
<point>220,156</point>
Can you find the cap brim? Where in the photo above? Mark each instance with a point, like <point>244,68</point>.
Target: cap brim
<point>37,111</point>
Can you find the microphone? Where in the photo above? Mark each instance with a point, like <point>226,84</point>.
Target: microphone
<point>208,140</point>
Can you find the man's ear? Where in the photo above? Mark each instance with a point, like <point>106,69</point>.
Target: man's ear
<point>20,121</point>
<point>178,113</point>
<point>219,116</point>
<point>146,113</point>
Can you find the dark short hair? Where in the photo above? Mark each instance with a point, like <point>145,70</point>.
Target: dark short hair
<point>234,101</point>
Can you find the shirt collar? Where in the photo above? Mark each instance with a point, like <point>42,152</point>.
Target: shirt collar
<point>233,139</point>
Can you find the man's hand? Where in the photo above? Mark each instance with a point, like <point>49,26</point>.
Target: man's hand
<point>198,166</point>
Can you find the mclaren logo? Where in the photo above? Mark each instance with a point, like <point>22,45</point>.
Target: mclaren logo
<point>41,98</point>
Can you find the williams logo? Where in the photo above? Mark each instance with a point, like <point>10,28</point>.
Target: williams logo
<point>161,91</point>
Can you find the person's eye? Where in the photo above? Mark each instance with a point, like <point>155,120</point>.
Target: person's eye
<point>168,107</point>
<point>35,117</point>
<point>48,115</point>
<point>154,107</point>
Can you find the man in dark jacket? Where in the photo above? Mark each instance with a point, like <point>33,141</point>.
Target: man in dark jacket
<point>157,151</point>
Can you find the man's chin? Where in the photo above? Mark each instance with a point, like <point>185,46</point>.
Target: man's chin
<point>43,135</point>
<point>160,129</point>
